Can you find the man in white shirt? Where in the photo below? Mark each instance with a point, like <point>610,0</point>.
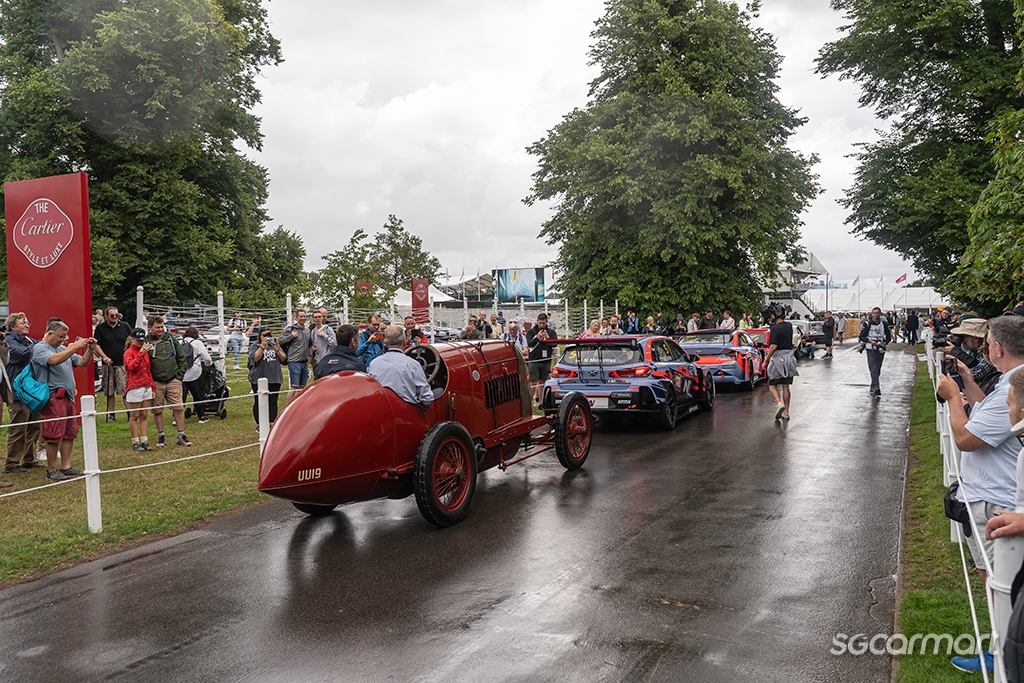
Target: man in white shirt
<point>727,322</point>
<point>399,372</point>
<point>989,465</point>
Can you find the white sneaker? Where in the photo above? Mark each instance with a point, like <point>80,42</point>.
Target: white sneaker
<point>785,414</point>
<point>779,410</point>
<point>41,455</point>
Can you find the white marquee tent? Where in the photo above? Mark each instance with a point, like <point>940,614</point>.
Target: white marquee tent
<point>894,299</point>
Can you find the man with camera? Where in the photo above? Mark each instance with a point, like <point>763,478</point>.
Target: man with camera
<point>371,341</point>
<point>988,468</point>
<point>60,427</point>
<point>875,335</point>
<point>942,323</point>
<point>966,343</point>
<point>540,355</point>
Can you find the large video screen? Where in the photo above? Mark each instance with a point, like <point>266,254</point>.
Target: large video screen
<point>519,284</point>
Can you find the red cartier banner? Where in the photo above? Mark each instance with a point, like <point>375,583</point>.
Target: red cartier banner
<point>421,301</point>
<point>48,269</point>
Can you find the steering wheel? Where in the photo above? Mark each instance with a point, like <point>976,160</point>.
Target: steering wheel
<point>428,357</point>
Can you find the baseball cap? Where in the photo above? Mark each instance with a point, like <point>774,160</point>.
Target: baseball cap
<point>139,333</point>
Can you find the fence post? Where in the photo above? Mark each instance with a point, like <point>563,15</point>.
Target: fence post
<point>465,308</point>
<point>586,316</point>
<point>1007,554</point>
<point>92,465</point>
<point>344,309</point>
<point>432,320</point>
<point>288,309</point>
<point>601,310</point>
<point>139,305</point>
<point>221,337</point>
<point>263,408</point>
<point>616,308</point>
<point>568,332</point>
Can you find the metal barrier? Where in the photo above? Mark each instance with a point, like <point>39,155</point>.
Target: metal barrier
<point>1008,553</point>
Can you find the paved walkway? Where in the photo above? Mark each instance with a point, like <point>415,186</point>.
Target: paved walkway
<point>732,549</point>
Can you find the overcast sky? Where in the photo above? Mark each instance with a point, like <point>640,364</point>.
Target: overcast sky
<point>424,110</point>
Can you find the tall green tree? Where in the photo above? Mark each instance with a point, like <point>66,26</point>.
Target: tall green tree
<point>941,71</point>
<point>990,276</point>
<point>674,187</point>
<point>149,98</point>
<point>389,262</point>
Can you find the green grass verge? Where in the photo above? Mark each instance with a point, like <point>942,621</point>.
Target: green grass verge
<point>47,529</point>
<point>934,598</point>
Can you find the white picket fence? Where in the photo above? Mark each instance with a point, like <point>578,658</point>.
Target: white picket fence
<point>1008,553</point>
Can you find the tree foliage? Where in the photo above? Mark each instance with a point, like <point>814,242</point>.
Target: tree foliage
<point>674,187</point>
<point>149,98</point>
<point>991,273</point>
<point>389,262</point>
<point>942,70</point>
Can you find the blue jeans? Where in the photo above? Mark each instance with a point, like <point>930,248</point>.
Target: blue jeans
<point>875,367</point>
<point>298,374</point>
<point>235,347</point>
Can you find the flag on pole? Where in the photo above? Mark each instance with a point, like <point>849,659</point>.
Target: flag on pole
<point>901,278</point>
<point>856,280</point>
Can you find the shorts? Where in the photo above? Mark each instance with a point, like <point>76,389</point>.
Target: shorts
<point>138,395</point>
<point>114,380</point>
<point>66,427</point>
<point>167,392</point>
<point>782,381</point>
<point>540,370</point>
<point>298,374</point>
<point>982,512</point>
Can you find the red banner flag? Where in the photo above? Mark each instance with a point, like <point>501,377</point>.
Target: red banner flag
<point>901,278</point>
<point>421,301</point>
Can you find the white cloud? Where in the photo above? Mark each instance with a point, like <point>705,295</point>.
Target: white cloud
<point>424,110</point>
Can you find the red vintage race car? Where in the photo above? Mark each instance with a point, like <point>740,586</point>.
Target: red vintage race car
<point>346,438</point>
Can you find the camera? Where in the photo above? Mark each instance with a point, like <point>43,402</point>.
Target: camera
<point>949,367</point>
<point>773,311</point>
<point>271,341</point>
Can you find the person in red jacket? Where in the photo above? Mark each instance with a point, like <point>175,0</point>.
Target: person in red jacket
<point>139,387</point>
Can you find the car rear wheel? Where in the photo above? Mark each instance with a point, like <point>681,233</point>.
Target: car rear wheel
<point>444,475</point>
<point>572,431</point>
<point>668,412</point>
<point>707,402</point>
<point>314,510</point>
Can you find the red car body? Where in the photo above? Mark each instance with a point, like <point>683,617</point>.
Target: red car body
<point>346,438</point>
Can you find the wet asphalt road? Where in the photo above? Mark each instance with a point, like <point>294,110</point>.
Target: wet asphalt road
<point>732,549</point>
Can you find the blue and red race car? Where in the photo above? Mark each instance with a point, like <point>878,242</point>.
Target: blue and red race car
<point>731,355</point>
<point>631,375</point>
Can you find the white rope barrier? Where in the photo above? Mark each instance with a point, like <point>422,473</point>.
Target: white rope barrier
<point>131,467</point>
<point>92,473</point>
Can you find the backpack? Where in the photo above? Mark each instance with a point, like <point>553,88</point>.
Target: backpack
<point>33,394</point>
<point>190,355</point>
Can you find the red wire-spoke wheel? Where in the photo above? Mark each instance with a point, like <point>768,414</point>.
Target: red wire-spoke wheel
<point>444,476</point>
<point>573,431</point>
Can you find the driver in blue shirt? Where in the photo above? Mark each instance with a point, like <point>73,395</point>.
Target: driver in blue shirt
<point>400,373</point>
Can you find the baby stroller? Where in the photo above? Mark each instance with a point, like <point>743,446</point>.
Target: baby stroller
<point>214,388</point>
